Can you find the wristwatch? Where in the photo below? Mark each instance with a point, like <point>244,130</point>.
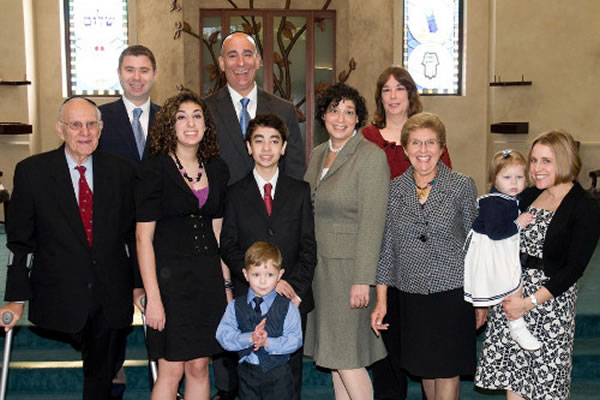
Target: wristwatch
<point>533,300</point>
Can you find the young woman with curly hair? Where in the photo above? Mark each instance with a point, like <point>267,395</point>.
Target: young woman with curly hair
<point>179,194</point>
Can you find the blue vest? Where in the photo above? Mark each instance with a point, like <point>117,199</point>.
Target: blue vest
<point>248,319</point>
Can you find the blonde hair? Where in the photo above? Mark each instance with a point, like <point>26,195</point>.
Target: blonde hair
<point>502,159</point>
<point>565,151</point>
<point>262,252</point>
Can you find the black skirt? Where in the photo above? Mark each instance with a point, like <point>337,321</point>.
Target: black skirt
<point>438,334</point>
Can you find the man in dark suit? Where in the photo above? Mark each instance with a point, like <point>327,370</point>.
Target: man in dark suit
<point>128,120</point>
<point>127,123</point>
<point>70,232</point>
<point>239,60</point>
<point>268,205</point>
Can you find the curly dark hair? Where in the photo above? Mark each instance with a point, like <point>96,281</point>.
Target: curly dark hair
<point>163,138</point>
<point>333,95</point>
<point>403,77</point>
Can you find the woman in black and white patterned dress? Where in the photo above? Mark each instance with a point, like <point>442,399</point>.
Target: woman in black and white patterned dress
<point>555,250</point>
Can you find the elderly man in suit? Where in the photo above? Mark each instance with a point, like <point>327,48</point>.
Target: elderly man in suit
<point>70,232</point>
<point>127,121</point>
<point>237,103</point>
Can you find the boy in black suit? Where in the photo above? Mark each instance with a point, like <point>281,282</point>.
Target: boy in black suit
<point>270,206</point>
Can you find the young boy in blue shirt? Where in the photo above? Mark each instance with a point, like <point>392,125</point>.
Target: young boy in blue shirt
<point>263,327</point>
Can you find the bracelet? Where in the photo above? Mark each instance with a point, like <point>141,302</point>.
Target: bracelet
<point>229,284</point>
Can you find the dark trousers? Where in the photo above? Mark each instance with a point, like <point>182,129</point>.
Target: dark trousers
<point>100,349</point>
<point>275,384</point>
<point>226,375</point>
<point>389,380</point>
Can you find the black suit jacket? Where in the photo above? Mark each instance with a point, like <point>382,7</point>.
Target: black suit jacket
<point>68,278</point>
<point>231,142</point>
<point>571,237</point>
<point>117,135</point>
<point>290,227</point>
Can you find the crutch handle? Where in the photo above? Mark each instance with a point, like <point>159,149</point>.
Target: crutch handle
<point>7,317</point>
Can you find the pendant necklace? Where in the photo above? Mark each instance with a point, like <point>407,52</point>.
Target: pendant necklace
<point>422,191</point>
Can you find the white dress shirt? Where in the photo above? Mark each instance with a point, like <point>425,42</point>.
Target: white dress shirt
<point>236,97</point>
<point>261,182</point>
<point>144,118</point>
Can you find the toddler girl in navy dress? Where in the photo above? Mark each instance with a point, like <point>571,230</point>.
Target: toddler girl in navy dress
<point>492,264</point>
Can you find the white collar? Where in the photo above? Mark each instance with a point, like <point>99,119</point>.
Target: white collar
<point>252,96</point>
<point>129,106</point>
<point>261,182</point>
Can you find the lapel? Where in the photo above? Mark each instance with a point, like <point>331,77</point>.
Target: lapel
<point>123,127</point>
<point>317,160</point>
<point>153,110</point>
<point>282,194</point>
<point>254,199</point>
<point>62,188</point>
<point>343,155</point>
<point>226,113</point>
<point>103,188</point>
<point>174,175</point>
<point>263,103</point>
<point>406,189</point>
<point>438,195</point>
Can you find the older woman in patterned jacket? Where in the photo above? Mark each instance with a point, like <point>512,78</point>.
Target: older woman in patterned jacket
<point>430,212</point>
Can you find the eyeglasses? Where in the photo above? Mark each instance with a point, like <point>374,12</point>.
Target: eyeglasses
<point>78,125</point>
<point>418,143</point>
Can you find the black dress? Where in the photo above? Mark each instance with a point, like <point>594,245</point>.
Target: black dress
<point>188,267</point>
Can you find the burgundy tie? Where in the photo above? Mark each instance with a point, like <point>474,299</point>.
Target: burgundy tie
<point>86,203</point>
<point>268,198</point>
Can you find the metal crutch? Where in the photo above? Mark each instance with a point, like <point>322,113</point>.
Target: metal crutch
<point>7,318</point>
<point>153,364</point>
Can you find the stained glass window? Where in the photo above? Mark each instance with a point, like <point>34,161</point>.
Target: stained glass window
<point>432,45</point>
<point>96,33</point>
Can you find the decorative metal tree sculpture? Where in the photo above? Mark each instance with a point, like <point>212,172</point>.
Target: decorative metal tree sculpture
<point>286,31</point>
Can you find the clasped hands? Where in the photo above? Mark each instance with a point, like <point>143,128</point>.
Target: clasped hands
<point>259,336</point>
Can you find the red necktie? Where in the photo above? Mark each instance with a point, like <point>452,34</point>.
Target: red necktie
<point>268,198</point>
<point>86,203</point>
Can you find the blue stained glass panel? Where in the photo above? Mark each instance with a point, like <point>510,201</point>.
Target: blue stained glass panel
<point>432,45</point>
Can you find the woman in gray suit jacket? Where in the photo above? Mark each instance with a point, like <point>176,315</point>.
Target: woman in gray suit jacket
<point>349,179</point>
<point>430,212</point>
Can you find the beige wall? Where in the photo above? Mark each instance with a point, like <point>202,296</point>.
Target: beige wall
<point>155,29</point>
<point>13,99</point>
<point>556,45</point>
<point>557,49</point>
<point>466,117</point>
